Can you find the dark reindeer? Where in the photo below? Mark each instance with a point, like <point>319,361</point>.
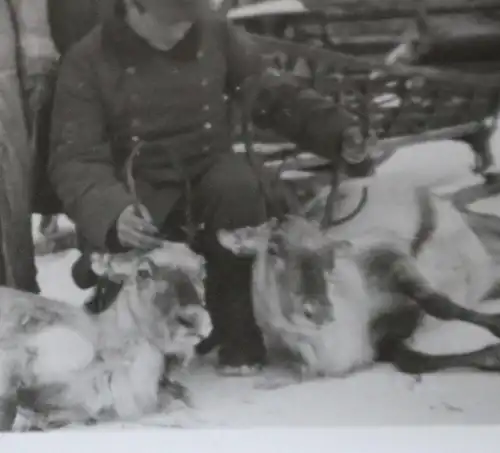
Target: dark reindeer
<point>344,294</point>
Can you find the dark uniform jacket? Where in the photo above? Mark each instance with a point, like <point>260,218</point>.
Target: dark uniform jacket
<point>114,88</point>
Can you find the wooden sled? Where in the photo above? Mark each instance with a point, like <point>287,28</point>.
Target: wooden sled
<point>445,83</point>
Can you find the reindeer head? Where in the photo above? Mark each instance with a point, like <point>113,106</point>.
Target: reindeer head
<point>303,254</point>
<point>165,286</point>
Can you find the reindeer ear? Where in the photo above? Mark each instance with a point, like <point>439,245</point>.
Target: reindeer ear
<point>178,256</point>
<point>245,241</point>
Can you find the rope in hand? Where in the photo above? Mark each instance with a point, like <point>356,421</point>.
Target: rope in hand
<point>191,227</point>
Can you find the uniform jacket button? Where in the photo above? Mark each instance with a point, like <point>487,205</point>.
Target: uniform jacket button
<point>207,126</point>
<point>130,70</point>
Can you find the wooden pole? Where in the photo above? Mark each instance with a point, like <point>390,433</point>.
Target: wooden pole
<point>17,265</point>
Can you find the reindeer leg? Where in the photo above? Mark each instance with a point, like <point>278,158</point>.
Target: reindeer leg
<point>442,307</point>
<point>8,394</point>
<point>409,361</point>
<point>177,391</point>
<point>408,281</point>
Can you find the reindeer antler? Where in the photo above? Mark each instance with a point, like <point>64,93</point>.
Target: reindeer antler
<point>129,176</point>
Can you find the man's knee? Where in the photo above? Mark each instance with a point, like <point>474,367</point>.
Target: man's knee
<point>230,194</point>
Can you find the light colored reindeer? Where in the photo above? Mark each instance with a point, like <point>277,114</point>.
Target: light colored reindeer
<point>60,364</point>
<point>341,298</point>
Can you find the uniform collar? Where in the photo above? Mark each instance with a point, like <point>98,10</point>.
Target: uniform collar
<point>130,48</point>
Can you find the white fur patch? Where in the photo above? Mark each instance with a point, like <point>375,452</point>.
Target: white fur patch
<point>346,341</point>
<point>59,351</point>
<point>453,337</point>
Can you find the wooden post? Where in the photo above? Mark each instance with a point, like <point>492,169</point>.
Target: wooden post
<point>17,266</point>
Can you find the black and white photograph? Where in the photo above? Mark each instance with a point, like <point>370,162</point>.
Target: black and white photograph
<point>228,214</point>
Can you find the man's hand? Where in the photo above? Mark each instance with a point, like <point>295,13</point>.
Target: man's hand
<point>137,230</point>
<point>355,153</point>
<point>353,145</point>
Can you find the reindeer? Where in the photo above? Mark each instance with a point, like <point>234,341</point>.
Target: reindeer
<point>342,295</point>
<point>60,364</point>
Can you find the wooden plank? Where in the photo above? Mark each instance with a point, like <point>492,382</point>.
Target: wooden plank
<point>295,50</point>
<point>358,9</point>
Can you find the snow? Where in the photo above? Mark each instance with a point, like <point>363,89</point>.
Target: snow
<point>378,396</point>
<point>267,8</point>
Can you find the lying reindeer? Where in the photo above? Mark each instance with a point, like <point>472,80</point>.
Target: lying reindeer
<point>63,365</point>
<point>344,297</point>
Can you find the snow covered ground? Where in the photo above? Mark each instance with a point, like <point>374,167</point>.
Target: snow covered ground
<point>379,396</point>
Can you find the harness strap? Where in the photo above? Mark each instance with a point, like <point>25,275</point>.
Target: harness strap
<point>354,213</point>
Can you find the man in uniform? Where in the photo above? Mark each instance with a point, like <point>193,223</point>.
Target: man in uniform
<point>159,72</point>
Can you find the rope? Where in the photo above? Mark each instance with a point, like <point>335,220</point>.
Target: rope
<point>354,213</point>
<point>129,176</point>
<point>191,227</point>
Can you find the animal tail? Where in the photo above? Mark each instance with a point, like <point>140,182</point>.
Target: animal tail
<point>428,221</point>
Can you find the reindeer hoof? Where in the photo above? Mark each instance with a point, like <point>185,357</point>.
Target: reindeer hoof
<point>177,391</point>
<point>488,359</point>
<point>491,179</point>
<point>494,325</point>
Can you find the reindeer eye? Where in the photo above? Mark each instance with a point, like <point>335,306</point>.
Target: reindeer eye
<point>144,274</point>
<point>308,311</point>
<point>185,322</point>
